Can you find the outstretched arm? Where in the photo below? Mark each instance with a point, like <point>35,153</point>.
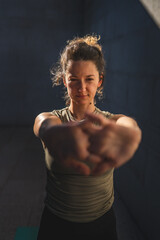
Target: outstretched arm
<point>43,122</point>
<point>125,121</point>
<point>66,143</point>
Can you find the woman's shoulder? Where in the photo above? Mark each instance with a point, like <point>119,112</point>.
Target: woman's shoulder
<point>59,112</point>
<point>62,114</point>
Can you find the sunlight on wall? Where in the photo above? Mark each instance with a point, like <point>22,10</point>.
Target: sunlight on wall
<point>153,8</point>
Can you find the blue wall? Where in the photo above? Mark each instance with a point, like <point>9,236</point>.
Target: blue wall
<point>32,33</point>
<point>131,42</point>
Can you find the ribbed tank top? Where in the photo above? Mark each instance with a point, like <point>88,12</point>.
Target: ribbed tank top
<point>76,197</point>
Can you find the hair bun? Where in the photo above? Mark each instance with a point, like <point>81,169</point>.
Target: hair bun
<point>91,40</point>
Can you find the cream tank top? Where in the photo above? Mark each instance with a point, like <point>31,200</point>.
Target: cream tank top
<point>76,197</point>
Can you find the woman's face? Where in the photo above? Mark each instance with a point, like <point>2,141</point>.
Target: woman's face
<point>82,81</point>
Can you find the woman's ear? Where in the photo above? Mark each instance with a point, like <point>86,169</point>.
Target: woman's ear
<point>100,80</point>
<point>99,83</point>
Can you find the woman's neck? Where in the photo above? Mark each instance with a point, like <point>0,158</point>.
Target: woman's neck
<point>79,111</point>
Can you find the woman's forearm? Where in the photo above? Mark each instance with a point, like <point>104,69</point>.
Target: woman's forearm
<point>130,123</point>
<point>43,123</point>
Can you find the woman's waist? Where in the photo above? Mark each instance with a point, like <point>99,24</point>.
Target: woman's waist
<point>79,191</point>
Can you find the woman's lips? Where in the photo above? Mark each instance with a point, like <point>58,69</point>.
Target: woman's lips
<point>82,96</point>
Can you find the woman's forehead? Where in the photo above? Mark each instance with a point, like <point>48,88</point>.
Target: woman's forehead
<point>86,67</point>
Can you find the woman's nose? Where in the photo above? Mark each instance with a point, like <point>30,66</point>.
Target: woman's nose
<point>82,87</point>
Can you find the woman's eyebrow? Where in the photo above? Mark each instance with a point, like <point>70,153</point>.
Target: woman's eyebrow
<point>91,75</point>
<point>74,76</point>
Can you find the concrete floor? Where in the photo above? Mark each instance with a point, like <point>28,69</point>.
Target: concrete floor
<point>22,185</point>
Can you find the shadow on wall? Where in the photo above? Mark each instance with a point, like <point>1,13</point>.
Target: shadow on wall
<point>130,40</point>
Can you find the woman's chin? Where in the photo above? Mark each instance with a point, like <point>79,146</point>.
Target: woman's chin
<point>83,102</point>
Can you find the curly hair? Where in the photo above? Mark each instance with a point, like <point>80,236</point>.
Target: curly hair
<point>84,48</point>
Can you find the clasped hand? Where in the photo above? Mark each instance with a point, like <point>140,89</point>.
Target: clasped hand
<point>95,140</point>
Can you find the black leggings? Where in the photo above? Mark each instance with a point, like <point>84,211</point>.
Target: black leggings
<point>53,227</point>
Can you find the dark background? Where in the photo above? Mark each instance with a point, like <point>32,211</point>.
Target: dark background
<point>32,34</point>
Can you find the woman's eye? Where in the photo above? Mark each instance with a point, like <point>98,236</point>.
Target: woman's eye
<point>90,79</point>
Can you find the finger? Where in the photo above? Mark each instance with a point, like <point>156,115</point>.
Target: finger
<point>93,158</point>
<point>79,167</point>
<point>88,127</point>
<point>102,168</point>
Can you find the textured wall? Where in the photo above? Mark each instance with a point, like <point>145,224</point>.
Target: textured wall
<point>32,33</point>
<point>132,50</point>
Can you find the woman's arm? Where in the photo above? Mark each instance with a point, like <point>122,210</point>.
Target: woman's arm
<point>67,143</point>
<point>115,142</point>
<point>43,122</point>
<point>125,121</point>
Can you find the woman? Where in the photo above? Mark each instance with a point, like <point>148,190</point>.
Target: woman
<point>82,147</point>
